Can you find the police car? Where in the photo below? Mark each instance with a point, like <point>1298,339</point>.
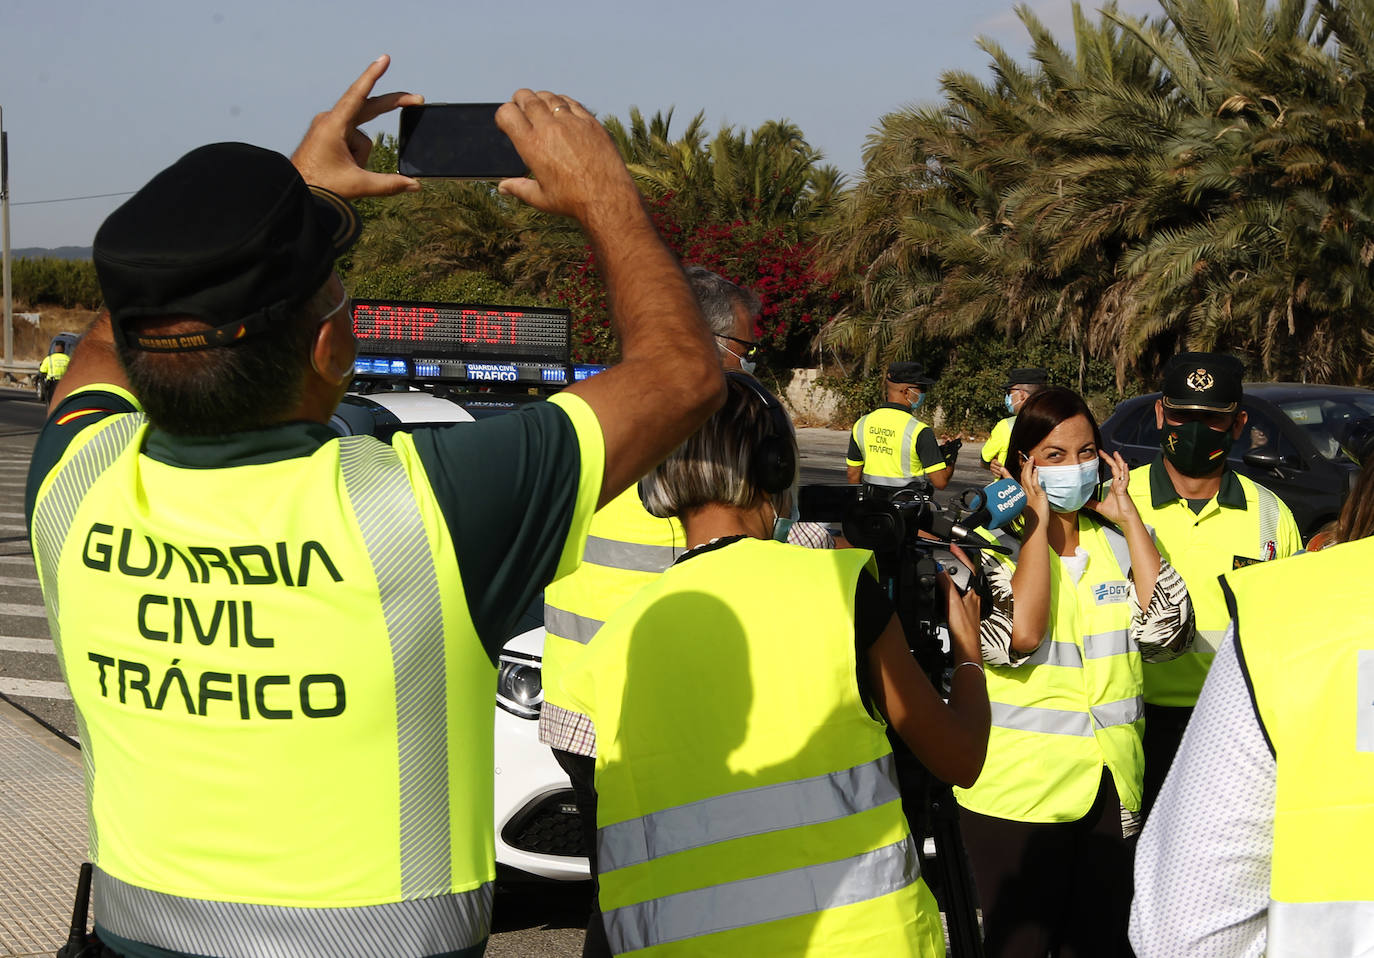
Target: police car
<point>433,364</point>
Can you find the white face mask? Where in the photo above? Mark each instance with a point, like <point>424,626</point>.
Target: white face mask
<point>746,366</point>
<point>1068,487</point>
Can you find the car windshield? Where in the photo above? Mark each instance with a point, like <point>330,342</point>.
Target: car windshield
<point>1320,415</point>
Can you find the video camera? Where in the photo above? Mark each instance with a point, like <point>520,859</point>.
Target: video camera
<point>912,536</point>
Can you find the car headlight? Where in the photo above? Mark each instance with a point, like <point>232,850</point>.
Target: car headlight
<point>519,686</point>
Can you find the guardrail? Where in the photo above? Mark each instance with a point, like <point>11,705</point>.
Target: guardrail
<point>17,370</point>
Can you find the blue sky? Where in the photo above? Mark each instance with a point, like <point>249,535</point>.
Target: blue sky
<point>97,97</point>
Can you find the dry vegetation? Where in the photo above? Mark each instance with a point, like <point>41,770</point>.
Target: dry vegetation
<point>31,340</point>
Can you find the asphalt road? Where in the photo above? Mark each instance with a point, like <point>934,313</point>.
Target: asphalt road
<point>530,921</point>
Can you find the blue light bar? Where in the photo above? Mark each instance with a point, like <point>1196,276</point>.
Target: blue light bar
<point>554,375</point>
<point>584,371</point>
<point>427,369</point>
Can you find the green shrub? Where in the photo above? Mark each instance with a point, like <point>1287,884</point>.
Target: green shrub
<point>69,283</point>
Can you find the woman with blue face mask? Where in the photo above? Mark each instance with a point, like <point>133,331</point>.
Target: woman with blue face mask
<point>1050,825</point>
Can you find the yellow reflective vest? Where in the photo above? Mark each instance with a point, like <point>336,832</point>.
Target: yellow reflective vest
<point>999,440</point>
<point>54,365</point>
<point>1075,704</point>
<point>747,802</point>
<point>278,738</point>
<point>1244,523</point>
<point>627,548</point>
<point>1305,629</point>
<point>886,439</point>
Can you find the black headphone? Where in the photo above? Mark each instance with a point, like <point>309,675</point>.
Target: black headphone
<point>773,467</point>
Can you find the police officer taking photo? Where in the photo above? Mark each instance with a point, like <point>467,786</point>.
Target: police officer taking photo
<point>890,446</point>
<point>280,643</point>
<point>1208,519</point>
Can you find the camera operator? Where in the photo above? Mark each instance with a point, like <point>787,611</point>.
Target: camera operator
<point>890,446</point>
<point>745,783</point>
<point>1050,824</point>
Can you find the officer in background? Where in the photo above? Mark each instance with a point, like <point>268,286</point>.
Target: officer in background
<point>1208,520</point>
<point>890,446</point>
<point>1021,384</point>
<point>280,642</point>
<point>1260,839</point>
<point>53,367</point>
<point>627,548</point>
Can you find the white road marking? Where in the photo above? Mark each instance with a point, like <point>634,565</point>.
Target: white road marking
<point>13,643</point>
<point>35,689</point>
<point>19,608</point>
<point>30,582</point>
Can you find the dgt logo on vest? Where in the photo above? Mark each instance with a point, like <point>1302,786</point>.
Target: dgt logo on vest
<point>1107,593</point>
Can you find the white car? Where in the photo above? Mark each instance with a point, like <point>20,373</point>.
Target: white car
<point>537,829</point>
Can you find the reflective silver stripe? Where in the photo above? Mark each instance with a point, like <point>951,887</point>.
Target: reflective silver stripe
<point>753,811</point>
<point>1120,550</point>
<point>907,434</point>
<point>52,520</point>
<point>1207,641</point>
<point>1268,521</point>
<point>1105,644</point>
<point>54,512</point>
<point>1063,654</point>
<point>1298,930</point>
<point>1121,712</point>
<point>753,901</point>
<point>570,625</point>
<point>860,435</point>
<point>630,556</point>
<point>394,532</point>
<point>423,926</point>
<point>1033,718</point>
<point>873,480</point>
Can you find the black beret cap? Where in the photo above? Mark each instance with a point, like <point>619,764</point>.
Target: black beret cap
<point>912,374</point>
<point>1210,381</point>
<point>230,234</point>
<point>1027,376</point>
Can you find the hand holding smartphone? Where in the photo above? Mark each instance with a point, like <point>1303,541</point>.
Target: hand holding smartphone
<point>459,141</point>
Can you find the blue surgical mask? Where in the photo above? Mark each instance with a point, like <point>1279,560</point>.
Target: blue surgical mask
<point>746,366</point>
<point>1068,487</point>
<point>782,527</point>
<point>920,398</point>
<point>1011,406</point>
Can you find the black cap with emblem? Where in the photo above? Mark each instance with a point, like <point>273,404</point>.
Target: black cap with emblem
<point>229,234</point>
<point>911,374</point>
<point>1210,381</point>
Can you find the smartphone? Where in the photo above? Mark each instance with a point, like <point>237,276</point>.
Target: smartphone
<point>458,141</point>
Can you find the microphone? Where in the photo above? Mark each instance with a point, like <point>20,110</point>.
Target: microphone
<point>994,507</point>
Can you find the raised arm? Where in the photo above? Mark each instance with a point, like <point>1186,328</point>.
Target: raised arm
<point>1030,583</point>
<point>668,380</point>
